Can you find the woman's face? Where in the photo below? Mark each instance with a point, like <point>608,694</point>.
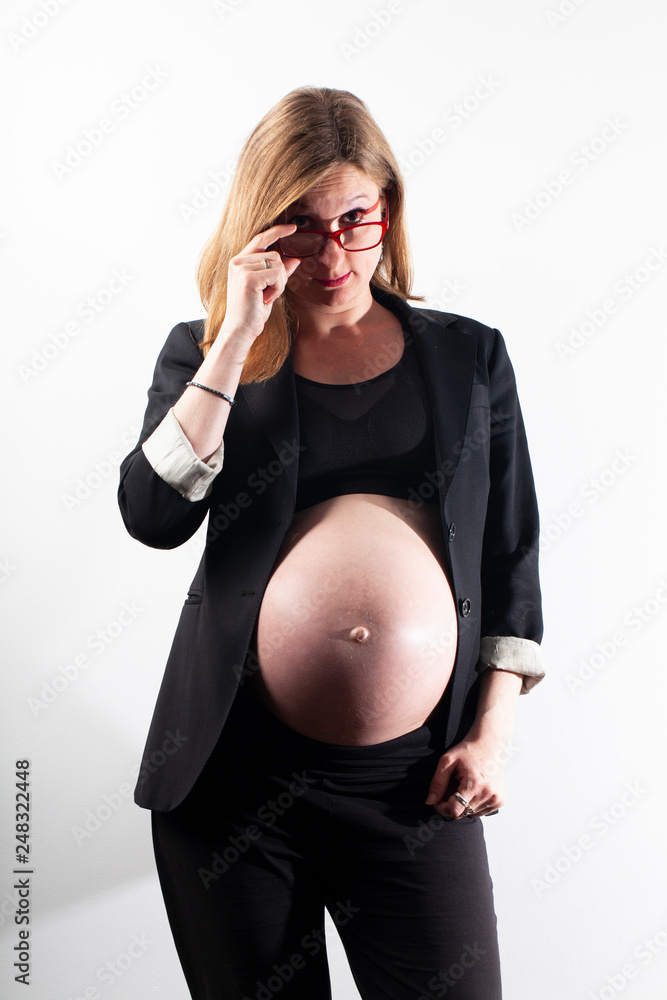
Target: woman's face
<point>335,279</point>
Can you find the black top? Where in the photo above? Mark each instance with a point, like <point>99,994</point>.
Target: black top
<point>374,436</point>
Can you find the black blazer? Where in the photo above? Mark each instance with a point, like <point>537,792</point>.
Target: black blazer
<point>489,517</point>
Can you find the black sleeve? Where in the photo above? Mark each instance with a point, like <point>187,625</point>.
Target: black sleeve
<point>153,511</point>
<point>511,598</point>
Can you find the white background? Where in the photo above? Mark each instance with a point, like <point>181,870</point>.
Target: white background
<point>519,94</point>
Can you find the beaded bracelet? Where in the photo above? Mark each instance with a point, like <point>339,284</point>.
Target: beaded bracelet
<point>232,402</point>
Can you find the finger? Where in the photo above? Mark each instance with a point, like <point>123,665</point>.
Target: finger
<point>483,809</point>
<point>258,259</point>
<point>290,264</point>
<point>450,809</point>
<point>263,240</point>
<point>440,780</point>
<point>455,808</point>
<point>486,811</point>
<point>455,776</point>
<point>271,293</point>
<point>481,799</point>
<point>259,279</point>
<point>488,803</point>
<point>276,278</point>
<point>282,270</point>
<point>276,265</point>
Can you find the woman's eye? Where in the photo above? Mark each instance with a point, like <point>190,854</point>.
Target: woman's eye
<point>354,215</point>
<point>299,220</point>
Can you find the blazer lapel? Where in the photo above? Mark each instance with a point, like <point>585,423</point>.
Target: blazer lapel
<point>447,360</point>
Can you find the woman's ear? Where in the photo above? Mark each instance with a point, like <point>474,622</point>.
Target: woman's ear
<point>388,186</point>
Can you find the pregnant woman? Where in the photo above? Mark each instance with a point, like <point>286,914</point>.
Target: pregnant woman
<point>341,687</point>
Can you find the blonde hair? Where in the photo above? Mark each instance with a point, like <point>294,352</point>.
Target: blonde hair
<point>306,135</point>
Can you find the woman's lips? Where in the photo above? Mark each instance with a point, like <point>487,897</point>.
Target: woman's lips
<point>333,282</point>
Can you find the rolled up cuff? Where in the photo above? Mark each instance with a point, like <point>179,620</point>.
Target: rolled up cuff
<point>508,652</point>
<point>172,457</point>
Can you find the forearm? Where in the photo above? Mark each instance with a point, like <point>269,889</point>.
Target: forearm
<point>496,707</point>
<point>203,415</point>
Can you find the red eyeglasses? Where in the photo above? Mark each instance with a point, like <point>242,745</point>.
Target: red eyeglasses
<point>358,236</point>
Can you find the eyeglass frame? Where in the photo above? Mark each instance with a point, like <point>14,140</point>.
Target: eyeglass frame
<point>384,223</point>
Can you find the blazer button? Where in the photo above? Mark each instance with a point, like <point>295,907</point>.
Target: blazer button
<point>452,531</point>
<point>464,607</point>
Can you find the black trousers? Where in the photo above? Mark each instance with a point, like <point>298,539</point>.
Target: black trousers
<point>279,827</point>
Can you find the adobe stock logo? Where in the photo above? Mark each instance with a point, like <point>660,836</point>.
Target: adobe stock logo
<point>580,159</point>
<point>365,33</point>
<point>95,135</point>
<point>33,24</point>
<point>88,309</point>
<point>566,8</point>
<point>624,289</point>
<point>573,853</point>
<point>453,117</point>
<point>644,953</point>
<point>605,650</point>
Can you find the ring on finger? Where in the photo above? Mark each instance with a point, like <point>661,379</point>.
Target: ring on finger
<point>464,802</point>
<point>267,262</point>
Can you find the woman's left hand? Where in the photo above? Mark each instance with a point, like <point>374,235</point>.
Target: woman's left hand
<point>472,768</point>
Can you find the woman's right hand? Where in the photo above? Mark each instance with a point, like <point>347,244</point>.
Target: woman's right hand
<point>252,287</point>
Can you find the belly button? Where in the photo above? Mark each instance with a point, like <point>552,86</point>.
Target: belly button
<point>360,633</point>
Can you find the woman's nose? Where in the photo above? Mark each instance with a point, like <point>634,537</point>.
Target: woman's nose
<point>330,251</point>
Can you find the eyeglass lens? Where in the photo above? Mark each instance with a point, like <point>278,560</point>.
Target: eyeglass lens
<point>363,237</point>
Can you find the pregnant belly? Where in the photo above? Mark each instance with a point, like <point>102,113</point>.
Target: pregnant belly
<point>356,634</point>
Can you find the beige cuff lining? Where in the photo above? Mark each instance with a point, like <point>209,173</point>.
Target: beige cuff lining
<point>508,652</point>
<point>172,456</point>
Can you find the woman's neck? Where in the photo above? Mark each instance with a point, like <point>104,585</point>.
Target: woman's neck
<point>326,351</point>
<point>352,322</point>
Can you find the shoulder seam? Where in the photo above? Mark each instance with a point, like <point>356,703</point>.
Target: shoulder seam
<point>189,323</point>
